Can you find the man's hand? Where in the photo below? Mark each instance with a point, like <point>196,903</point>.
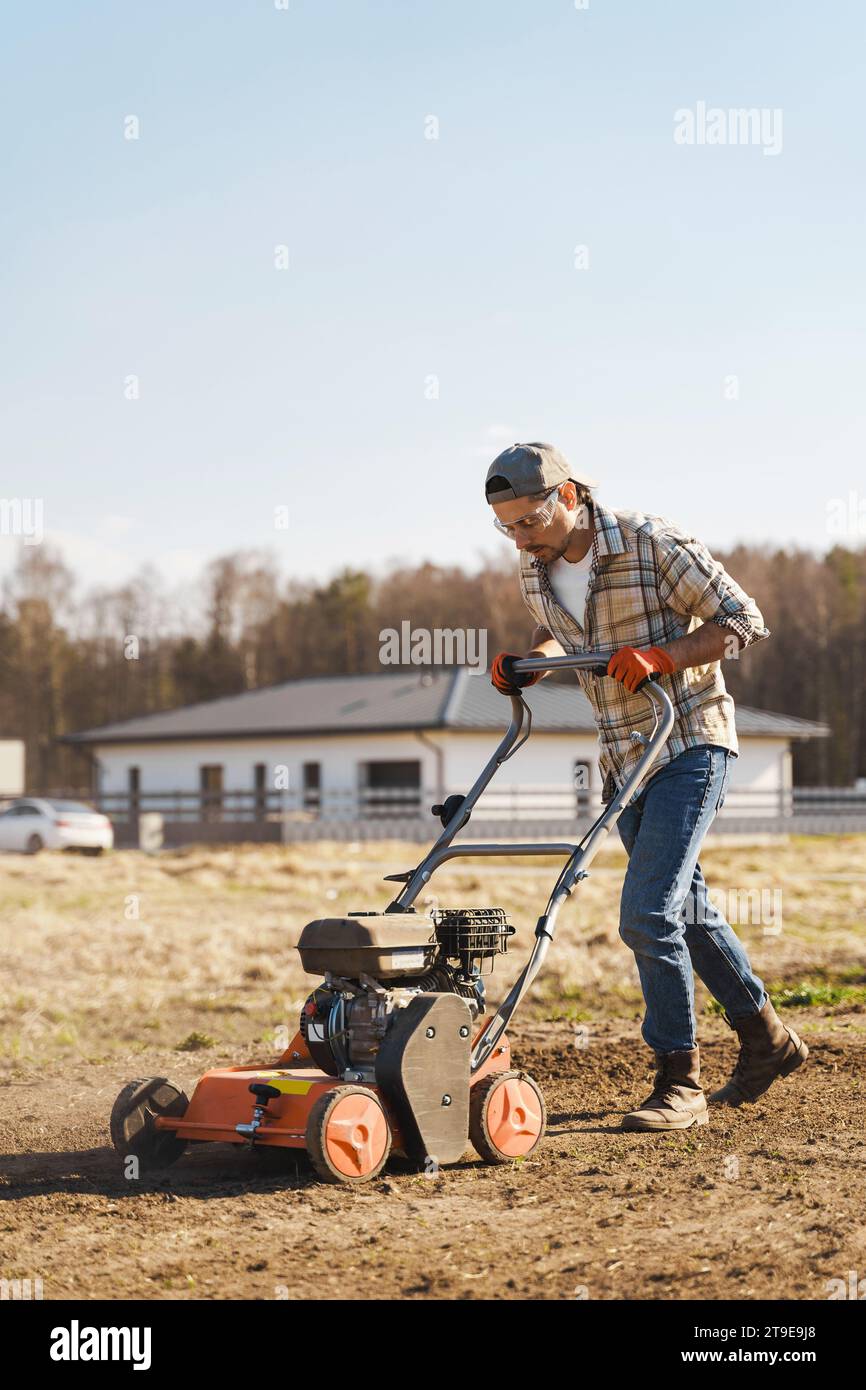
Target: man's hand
<point>506,679</point>
<point>631,665</point>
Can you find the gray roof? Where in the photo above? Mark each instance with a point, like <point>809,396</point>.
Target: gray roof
<point>456,699</point>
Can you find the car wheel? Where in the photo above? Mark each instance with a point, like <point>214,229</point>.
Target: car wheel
<point>34,844</point>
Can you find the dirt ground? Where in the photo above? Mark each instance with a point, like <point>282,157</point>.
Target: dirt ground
<point>764,1202</point>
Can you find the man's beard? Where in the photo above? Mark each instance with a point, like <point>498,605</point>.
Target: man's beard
<point>559,551</point>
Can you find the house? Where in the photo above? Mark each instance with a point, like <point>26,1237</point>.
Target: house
<point>11,767</point>
<point>328,751</point>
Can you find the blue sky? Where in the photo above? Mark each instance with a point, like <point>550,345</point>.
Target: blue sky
<point>411,258</point>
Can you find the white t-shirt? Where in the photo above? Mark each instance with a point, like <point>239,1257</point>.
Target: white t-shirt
<point>570,580</point>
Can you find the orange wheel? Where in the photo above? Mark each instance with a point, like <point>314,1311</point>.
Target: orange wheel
<point>507,1116</point>
<point>348,1136</point>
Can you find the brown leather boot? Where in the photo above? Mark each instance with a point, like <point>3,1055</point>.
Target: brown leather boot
<point>677,1100</point>
<point>767,1050</point>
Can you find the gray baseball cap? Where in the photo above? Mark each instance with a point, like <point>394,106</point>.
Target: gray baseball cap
<point>522,470</point>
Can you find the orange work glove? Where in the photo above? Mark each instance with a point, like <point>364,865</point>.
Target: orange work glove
<point>506,680</point>
<point>631,666</point>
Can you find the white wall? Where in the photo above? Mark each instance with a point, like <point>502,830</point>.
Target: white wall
<point>543,766</point>
<point>758,776</point>
<point>538,779</point>
<point>175,766</point>
<point>11,767</point>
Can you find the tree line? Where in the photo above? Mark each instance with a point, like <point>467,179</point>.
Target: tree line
<point>71,661</point>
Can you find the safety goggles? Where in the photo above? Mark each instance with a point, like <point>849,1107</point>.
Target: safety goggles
<point>533,521</point>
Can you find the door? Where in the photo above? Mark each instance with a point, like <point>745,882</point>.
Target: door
<point>18,824</point>
<point>9,827</point>
<point>211,791</point>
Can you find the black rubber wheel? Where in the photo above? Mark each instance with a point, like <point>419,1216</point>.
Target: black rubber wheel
<point>483,1141</point>
<point>132,1117</point>
<point>34,844</point>
<point>371,1158</point>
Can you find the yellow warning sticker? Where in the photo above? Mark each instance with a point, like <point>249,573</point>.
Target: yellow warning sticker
<point>287,1085</point>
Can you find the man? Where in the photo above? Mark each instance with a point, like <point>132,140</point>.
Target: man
<point>639,587</point>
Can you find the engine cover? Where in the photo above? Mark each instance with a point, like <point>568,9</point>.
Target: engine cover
<point>384,945</point>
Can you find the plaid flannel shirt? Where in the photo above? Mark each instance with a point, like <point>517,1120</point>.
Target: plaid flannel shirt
<point>649,582</point>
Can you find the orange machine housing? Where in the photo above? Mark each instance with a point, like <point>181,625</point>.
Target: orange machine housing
<point>222,1098</point>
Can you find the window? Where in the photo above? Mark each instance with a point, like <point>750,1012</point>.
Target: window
<point>133,787</point>
<point>211,789</point>
<point>391,788</point>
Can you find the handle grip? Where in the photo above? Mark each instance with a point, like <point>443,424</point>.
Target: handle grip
<point>602,671</point>
<point>581,661</point>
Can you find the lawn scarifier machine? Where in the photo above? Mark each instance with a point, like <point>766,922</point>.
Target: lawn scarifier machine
<point>395,1051</point>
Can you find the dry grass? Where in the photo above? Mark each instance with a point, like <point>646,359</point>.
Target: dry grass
<point>193,949</point>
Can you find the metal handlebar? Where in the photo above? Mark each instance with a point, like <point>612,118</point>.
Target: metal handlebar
<point>594,662</point>
<point>511,741</point>
<point>580,855</point>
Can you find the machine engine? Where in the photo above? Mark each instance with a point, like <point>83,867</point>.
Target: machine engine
<point>375,964</point>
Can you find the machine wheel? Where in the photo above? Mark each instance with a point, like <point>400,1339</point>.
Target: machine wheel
<point>348,1135</point>
<point>507,1116</point>
<point>132,1117</point>
<point>34,844</point>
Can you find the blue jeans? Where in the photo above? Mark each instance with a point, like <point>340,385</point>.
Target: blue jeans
<point>665,915</point>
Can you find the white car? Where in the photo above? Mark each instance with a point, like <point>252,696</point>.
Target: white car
<point>33,823</point>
